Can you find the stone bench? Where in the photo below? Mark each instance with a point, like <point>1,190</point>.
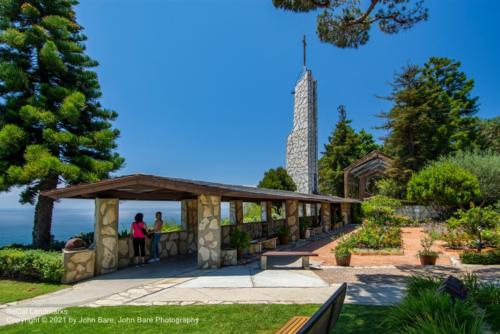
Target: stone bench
<point>257,245</point>
<point>305,257</point>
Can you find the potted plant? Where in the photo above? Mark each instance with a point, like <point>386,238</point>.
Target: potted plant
<point>283,233</point>
<point>240,240</point>
<point>343,253</point>
<point>426,255</point>
<point>304,224</point>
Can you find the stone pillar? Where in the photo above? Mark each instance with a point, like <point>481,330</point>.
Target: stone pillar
<point>326,219</point>
<point>106,235</point>
<point>209,232</point>
<point>292,218</point>
<point>236,212</point>
<point>345,209</point>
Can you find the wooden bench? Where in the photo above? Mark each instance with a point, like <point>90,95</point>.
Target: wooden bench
<point>322,321</point>
<point>305,257</point>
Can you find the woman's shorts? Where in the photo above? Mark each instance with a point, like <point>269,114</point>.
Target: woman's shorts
<point>139,246</point>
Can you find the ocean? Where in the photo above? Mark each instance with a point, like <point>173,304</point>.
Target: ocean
<point>16,225</point>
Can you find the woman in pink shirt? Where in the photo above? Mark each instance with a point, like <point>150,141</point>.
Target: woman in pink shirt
<point>138,236</point>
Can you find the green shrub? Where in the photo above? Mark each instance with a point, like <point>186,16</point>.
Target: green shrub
<point>344,247</point>
<point>492,257</point>
<point>305,222</point>
<point>239,239</point>
<point>475,222</point>
<point>124,234</point>
<point>456,238</point>
<point>171,227</point>
<point>283,230</point>
<point>225,222</point>
<point>444,186</point>
<point>375,236</point>
<point>486,167</point>
<point>433,312</point>
<point>31,264</point>
<point>380,209</point>
<point>492,237</point>
<point>88,237</point>
<point>391,188</point>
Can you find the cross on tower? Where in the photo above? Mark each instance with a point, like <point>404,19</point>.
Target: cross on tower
<point>304,43</point>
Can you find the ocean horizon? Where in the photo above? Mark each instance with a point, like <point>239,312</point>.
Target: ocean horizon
<point>17,223</point>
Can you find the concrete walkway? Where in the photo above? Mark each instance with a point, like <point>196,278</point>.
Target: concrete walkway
<point>180,283</point>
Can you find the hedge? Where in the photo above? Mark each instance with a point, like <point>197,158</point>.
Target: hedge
<point>491,257</point>
<point>31,264</point>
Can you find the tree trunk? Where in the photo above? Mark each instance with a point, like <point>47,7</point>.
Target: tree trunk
<point>43,216</point>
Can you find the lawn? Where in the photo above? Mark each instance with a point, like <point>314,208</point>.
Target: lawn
<point>11,291</point>
<point>212,319</point>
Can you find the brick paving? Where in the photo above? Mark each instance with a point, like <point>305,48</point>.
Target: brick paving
<point>410,243</point>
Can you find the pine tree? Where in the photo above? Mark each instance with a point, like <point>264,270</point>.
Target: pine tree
<point>432,115</point>
<point>346,24</point>
<point>277,179</point>
<point>343,148</point>
<point>53,128</point>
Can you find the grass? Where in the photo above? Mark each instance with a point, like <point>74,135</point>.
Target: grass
<point>212,319</point>
<point>11,291</point>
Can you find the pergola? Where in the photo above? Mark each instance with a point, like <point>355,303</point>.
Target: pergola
<point>374,163</point>
<point>201,210</point>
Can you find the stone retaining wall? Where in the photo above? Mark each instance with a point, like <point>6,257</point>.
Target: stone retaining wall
<point>78,265</point>
<point>171,244</point>
<point>417,212</point>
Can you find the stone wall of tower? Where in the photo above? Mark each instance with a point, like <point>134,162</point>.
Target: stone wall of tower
<point>302,144</point>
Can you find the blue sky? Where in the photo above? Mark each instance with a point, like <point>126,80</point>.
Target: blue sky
<point>203,88</point>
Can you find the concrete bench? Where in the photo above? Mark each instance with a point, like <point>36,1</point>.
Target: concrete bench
<point>258,245</point>
<point>322,321</point>
<point>269,243</point>
<point>305,257</point>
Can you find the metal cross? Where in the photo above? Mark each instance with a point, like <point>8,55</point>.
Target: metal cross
<point>305,49</point>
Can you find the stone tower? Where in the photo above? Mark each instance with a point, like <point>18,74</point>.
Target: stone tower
<point>302,144</point>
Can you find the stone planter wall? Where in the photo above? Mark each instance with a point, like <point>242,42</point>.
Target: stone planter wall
<point>417,212</point>
<point>171,244</point>
<point>256,230</point>
<point>78,265</point>
<point>229,257</point>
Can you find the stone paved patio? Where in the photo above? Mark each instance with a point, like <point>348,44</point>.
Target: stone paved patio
<point>180,283</point>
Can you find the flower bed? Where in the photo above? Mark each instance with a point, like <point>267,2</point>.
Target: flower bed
<point>383,251</point>
<point>373,236</point>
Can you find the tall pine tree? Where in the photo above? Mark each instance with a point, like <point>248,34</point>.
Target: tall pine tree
<point>343,148</point>
<point>432,115</point>
<point>53,128</point>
